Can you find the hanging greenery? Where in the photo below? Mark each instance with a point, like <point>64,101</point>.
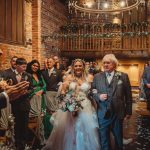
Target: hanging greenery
<point>74,27</point>
<point>88,35</point>
<point>110,30</point>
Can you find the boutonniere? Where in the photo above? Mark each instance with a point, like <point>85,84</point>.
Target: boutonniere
<point>117,75</point>
<point>54,72</point>
<point>26,78</point>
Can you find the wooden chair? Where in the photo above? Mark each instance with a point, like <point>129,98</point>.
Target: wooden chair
<point>2,136</point>
<point>34,127</point>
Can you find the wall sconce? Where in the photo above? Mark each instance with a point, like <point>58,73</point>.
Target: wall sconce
<point>29,42</point>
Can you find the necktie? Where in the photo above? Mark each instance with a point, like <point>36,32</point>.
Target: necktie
<point>109,77</point>
<point>18,76</point>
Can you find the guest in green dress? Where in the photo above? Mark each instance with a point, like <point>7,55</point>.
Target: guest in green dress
<point>38,102</point>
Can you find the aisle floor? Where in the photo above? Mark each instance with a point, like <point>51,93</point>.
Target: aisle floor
<point>138,128</point>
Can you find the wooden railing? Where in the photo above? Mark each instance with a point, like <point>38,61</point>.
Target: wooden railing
<point>105,40</point>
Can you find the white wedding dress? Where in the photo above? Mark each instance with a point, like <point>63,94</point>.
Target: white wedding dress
<point>75,132</point>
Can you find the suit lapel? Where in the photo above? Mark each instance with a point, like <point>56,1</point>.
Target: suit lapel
<point>24,76</point>
<point>46,73</point>
<point>114,82</point>
<point>104,83</point>
<point>14,78</point>
<point>106,80</point>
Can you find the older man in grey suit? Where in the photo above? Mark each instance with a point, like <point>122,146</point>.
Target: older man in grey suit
<point>112,92</point>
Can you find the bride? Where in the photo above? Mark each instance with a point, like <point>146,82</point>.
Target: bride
<point>75,128</point>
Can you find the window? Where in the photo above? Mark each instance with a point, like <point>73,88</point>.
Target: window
<point>12,21</point>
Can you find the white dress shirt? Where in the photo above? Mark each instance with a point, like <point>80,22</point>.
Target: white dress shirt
<point>50,71</point>
<point>109,76</point>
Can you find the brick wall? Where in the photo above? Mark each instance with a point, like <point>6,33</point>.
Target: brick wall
<point>17,50</point>
<point>53,16</point>
<point>41,18</point>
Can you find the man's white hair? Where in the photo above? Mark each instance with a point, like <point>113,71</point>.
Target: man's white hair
<point>111,58</point>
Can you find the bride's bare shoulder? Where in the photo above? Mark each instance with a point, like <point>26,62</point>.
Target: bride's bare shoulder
<point>90,78</point>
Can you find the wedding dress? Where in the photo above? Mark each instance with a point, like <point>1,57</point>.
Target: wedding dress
<point>78,132</point>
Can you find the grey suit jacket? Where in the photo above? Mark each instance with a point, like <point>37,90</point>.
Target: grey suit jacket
<point>121,96</point>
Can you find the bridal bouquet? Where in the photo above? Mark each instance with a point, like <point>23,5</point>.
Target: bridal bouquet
<point>71,101</point>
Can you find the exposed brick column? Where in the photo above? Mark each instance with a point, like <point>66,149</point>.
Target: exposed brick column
<point>148,18</point>
<point>36,29</point>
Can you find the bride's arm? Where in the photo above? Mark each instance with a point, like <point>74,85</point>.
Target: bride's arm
<point>65,85</point>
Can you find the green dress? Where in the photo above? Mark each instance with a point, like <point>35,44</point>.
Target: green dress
<point>37,86</point>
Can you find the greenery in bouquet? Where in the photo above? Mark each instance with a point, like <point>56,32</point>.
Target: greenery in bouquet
<point>71,101</point>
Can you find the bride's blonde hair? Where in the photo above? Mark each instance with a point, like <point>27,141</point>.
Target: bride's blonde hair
<point>84,74</point>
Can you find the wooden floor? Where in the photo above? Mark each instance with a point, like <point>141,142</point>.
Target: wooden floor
<point>137,128</point>
<point>141,108</point>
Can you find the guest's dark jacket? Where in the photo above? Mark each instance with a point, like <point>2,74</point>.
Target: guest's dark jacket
<point>6,73</point>
<point>146,78</point>
<point>52,80</point>
<point>22,102</point>
<point>3,102</point>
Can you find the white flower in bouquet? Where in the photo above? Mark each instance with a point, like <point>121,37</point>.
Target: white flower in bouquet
<point>73,85</point>
<point>81,96</point>
<point>72,107</point>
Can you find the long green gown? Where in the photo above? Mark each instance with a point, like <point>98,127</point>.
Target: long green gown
<point>37,86</point>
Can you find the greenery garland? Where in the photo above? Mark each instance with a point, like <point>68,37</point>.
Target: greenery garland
<point>73,27</point>
<point>103,35</point>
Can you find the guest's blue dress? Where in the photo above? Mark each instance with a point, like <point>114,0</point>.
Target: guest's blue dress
<point>75,132</point>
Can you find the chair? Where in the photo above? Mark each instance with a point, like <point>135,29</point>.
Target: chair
<point>7,126</point>
<point>35,118</point>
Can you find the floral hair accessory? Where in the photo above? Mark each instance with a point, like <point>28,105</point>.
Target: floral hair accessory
<point>78,59</point>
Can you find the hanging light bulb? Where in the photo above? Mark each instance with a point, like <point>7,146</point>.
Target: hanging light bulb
<point>122,3</point>
<point>89,3</point>
<point>106,5</point>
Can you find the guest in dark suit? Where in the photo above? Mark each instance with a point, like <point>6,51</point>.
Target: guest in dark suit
<point>112,92</point>
<point>6,72</point>
<point>146,81</point>
<point>21,106</point>
<point>52,77</point>
<point>58,65</point>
